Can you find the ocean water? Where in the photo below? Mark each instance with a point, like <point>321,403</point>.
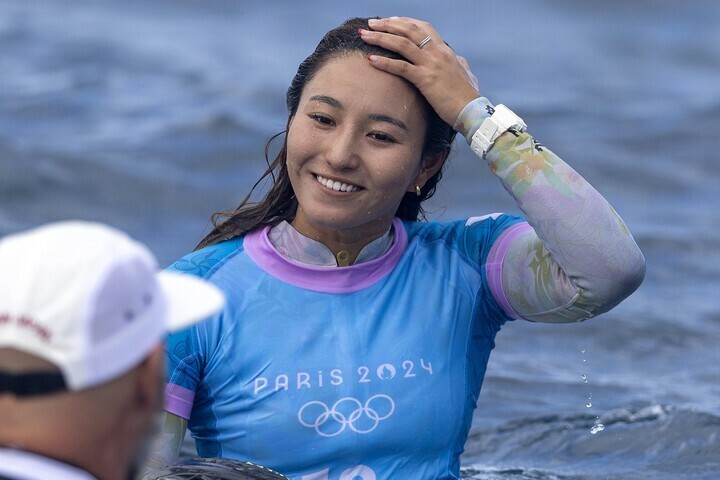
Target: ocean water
<point>153,115</point>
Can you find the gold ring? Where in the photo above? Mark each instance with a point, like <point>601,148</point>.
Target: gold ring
<point>425,41</point>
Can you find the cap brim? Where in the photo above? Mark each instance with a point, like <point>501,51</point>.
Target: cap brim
<point>189,299</point>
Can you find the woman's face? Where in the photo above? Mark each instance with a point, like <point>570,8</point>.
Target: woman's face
<point>354,148</point>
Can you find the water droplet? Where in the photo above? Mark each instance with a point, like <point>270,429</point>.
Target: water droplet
<point>584,378</point>
<point>588,404</point>
<point>599,427</point>
<point>583,351</point>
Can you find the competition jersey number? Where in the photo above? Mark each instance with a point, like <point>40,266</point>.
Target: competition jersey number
<point>358,472</point>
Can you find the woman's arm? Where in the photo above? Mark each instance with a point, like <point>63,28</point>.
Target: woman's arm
<point>165,448</point>
<point>578,259</point>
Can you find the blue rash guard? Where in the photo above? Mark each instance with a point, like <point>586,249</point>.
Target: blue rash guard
<point>357,373</point>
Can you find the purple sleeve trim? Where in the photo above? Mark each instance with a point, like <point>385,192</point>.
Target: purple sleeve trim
<point>493,266</point>
<point>178,400</point>
<point>325,279</point>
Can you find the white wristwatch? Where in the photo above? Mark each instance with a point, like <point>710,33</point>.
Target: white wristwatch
<point>502,120</point>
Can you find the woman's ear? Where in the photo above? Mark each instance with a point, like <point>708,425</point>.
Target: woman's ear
<point>432,163</point>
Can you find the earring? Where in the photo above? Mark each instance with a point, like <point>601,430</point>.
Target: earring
<point>417,191</point>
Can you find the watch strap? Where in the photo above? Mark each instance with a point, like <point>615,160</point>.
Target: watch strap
<point>502,120</point>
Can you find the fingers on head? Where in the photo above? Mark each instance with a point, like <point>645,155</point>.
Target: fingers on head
<point>409,27</point>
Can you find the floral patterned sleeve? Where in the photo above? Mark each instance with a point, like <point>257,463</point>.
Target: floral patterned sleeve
<point>579,259</point>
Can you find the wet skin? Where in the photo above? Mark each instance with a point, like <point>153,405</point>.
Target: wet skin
<point>361,131</point>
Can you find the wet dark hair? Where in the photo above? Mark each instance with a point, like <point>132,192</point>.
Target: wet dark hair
<point>280,203</point>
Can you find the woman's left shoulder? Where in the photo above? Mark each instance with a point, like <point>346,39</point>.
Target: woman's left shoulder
<point>488,227</point>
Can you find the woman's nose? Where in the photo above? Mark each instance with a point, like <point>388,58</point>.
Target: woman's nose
<point>343,151</point>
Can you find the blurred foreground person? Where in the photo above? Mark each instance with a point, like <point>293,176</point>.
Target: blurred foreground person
<point>83,314</point>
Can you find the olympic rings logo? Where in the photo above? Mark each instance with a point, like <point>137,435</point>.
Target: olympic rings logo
<point>348,412</point>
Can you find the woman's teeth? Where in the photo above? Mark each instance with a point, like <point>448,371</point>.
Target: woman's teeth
<point>337,186</point>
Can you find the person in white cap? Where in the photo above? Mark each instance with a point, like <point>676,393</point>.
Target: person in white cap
<point>83,315</point>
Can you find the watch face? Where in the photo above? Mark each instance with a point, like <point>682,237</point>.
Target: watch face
<point>506,119</point>
<point>502,120</point>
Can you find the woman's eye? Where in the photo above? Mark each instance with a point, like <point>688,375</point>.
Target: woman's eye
<point>382,137</point>
<point>322,119</point>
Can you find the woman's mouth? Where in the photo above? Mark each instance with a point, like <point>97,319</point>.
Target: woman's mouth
<point>335,185</point>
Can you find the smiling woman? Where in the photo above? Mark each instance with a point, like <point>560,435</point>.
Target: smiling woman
<point>355,148</point>
<point>355,338</point>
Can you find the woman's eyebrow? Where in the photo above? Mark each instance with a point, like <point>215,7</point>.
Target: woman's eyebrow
<point>373,116</point>
<point>387,118</point>
<point>328,100</point>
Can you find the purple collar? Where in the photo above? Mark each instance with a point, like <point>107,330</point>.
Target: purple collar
<point>324,279</point>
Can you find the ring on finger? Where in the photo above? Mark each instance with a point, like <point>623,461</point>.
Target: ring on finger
<point>424,42</point>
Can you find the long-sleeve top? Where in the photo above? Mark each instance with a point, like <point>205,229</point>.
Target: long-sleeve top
<point>373,370</point>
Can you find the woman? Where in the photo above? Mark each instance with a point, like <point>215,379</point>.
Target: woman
<point>356,338</point>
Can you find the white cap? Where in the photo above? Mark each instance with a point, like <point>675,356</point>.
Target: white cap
<point>89,299</point>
